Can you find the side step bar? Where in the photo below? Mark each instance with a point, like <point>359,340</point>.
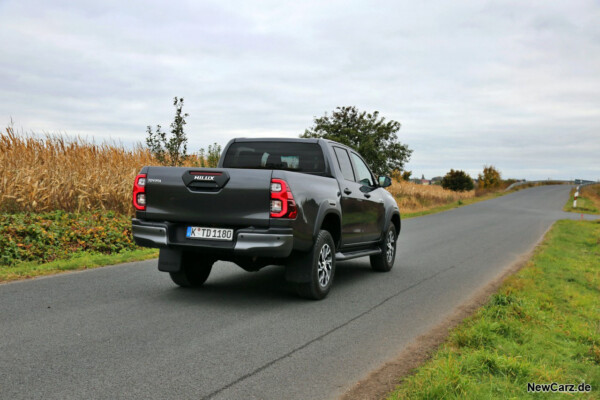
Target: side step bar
<point>355,254</point>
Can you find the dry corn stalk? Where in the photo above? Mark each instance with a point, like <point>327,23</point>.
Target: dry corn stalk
<point>54,172</point>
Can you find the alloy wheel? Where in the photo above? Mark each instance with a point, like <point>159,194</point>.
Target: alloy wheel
<point>325,265</point>
<point>389,251</point>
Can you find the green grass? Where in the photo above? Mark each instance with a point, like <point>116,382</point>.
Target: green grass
<point>453,205</point>
<point>79,261</point>
<point>542,326</point>
<point>585,205</point>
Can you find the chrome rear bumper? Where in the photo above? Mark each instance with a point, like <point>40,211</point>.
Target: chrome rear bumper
<point>277,242</point>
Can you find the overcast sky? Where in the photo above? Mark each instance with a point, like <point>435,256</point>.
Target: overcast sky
<point>514,84</point>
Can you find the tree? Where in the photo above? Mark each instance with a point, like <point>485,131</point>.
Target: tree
<point>458,181</point>
<point>371,136</point>
<point>490,179</point>
<point>211,157</point>
<point>173,150</point>
<point>406,175</point>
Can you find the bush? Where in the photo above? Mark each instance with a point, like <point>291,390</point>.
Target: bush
<point>459,181</point>
<point>55,235</point>
<point>490,179</point>
<point>210,158</point>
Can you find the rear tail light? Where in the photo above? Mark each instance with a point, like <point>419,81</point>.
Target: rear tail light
<point>282,200</point>
<point>139,192</point>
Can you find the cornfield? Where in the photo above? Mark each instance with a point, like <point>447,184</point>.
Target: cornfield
<point>412,197</point>
<point>57,173</point>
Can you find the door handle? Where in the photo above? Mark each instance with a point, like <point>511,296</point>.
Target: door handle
<point>367,195</point>
<point>347,191</point>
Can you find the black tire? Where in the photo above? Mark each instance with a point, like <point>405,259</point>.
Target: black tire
<point>195,269</point>
<point>321,261</point>
<point>384,261</point>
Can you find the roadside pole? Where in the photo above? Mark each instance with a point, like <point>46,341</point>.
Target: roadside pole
<point>575,197</point>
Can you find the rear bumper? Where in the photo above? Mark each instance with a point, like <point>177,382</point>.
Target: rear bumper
<point>149,235</point>
<point>272,242</point>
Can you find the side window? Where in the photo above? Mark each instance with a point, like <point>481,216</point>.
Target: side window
<point>344,163</point>
<point>363,175</point>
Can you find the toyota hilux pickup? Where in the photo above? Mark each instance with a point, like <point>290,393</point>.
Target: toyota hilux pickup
<point>301,203</point>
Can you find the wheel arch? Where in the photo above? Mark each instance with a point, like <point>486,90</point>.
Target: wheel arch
<point>333,225</point>
<point>392,217</point>
<point>329,218</point>
<point>395,220</point>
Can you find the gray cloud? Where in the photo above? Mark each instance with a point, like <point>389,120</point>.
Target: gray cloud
<point>513,84</point>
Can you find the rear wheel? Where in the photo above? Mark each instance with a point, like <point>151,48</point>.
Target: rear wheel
<point>384,261</point>
<point>194,270</point>
<point>321,261</point>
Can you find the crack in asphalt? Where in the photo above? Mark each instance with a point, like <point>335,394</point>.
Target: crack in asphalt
<point>305,345</point>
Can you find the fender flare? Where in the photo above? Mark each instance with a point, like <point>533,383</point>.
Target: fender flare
<point>325,208</point>
<point>388,220</point>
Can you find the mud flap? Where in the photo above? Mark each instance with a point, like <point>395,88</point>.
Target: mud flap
<point>170,260</point>
<point>299,269</point>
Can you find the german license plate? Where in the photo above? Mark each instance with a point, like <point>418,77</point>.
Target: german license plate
<point>198,232</point>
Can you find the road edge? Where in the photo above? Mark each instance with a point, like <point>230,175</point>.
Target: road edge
<point>381,381</point>
<point>82,264</point>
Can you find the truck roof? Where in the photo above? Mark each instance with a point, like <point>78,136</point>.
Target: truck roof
<point>270,139</point>
<point>290,140</point>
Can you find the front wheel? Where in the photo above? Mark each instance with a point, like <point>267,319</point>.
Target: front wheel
<point>194,272</point>
<point>321,261</point>
<point>384,261</point>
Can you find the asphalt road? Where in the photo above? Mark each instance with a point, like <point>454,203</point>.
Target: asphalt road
<point>128,332</point>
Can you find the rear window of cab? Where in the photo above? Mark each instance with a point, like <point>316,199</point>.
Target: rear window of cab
<point>292,156</point>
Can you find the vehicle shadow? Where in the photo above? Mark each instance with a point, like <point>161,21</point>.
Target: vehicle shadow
<point>266,287</point>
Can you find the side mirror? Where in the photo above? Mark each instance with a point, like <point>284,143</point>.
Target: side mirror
<point>384,181</point>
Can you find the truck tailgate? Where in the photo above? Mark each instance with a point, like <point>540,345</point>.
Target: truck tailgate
<point>209,196</point>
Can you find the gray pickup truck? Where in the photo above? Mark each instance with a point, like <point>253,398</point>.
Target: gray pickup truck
<point>301,203</point>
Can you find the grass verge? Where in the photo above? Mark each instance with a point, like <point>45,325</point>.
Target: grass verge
<point>542,326</point>
<point>587,203</point>
<point>80,261</point>
<point>454,204</point>
<point>536,184</point>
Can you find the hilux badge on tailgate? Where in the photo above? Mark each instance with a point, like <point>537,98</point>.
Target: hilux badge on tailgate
<point>204,178</point>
